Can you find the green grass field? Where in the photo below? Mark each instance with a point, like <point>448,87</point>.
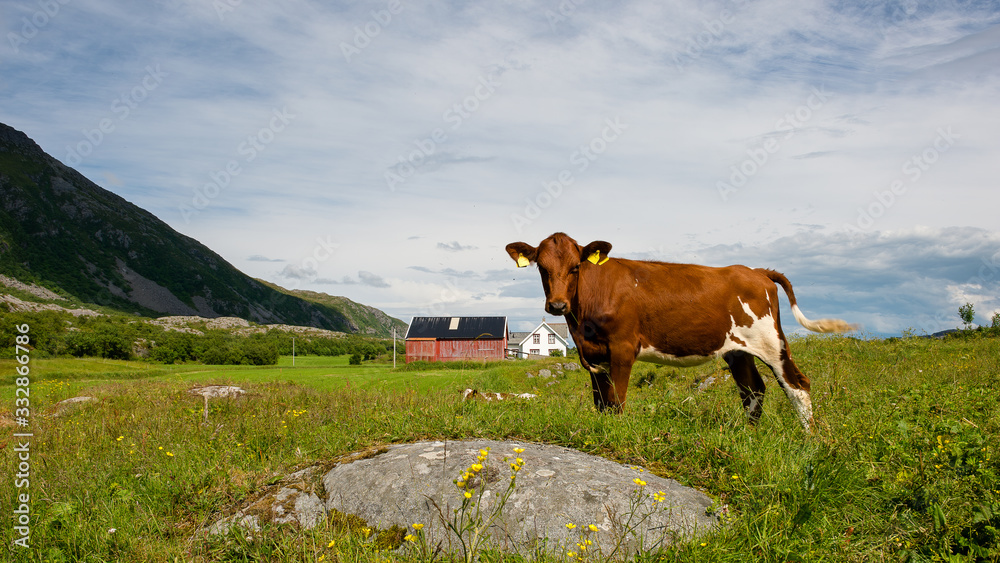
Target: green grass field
<point>901,465</point>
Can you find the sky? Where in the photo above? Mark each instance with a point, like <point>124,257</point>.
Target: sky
<point>388,150</point>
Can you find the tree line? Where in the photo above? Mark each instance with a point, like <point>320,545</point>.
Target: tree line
<point>59,334</point>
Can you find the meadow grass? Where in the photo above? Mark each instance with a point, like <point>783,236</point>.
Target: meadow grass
<point>901,464</point>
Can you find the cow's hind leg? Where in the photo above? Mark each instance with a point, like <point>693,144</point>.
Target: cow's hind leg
<point>796,386</point>
<point>792,381</point>
<point>749,382</point>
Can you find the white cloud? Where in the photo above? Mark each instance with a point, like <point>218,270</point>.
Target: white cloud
<point>510,101</point>
<point>262,258</point>
<point>454,246</point>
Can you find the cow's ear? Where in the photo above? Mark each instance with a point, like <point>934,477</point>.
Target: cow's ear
<point>522,253</point>
<point>596,252</point>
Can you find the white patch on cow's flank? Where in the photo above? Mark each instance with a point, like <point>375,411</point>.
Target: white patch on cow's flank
<point>759,339</point>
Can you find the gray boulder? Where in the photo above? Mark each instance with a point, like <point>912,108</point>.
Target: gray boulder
<point>70,406</point>
<point>561,497</point>
<point>293,501</point>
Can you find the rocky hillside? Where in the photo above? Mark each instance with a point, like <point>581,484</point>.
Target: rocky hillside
<point>374,320</point>
<point>62,231</point>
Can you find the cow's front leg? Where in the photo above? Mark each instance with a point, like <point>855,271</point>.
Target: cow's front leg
<point>600,381</point>
<point>613,384</point>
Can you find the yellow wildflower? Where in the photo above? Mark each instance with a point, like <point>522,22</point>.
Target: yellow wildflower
<point>639,482</point>
<point>418,527</point>
<point>570,525</point>
<point>468,494</point>
<point>592,528</point>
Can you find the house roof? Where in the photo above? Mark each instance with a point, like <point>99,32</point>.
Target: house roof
<point>519,336</point>
<point>561,330</point>
<point>458,328</point>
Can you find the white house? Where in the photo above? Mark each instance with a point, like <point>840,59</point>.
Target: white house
<point>545,339</point>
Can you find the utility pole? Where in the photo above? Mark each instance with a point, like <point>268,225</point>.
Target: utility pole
<point>393,347</point>
<point>293,351</point>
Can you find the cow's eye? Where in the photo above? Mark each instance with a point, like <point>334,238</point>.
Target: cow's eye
<point>574,269</point>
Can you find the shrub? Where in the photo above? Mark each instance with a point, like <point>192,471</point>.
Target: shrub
<point>103,343</point>
<point>261,353</point>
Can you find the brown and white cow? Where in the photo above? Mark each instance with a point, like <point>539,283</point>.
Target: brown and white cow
<point>620,311</point>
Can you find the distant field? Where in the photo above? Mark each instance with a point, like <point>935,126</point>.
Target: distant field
<point>76,375</point>
<point>902,464</point>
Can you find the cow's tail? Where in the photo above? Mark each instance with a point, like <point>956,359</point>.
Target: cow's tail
<point>818,325</point>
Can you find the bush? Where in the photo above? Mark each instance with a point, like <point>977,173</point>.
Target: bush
<point>355,359</point>
<point>103,343</point>
<point>259,353</point>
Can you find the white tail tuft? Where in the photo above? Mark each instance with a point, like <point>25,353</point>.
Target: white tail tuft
<point>822,325</point>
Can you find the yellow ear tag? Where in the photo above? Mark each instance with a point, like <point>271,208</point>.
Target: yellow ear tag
<point>522,262</point>
<point>595,258</point>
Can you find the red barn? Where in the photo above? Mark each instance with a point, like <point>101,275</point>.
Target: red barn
<point>448,339</point>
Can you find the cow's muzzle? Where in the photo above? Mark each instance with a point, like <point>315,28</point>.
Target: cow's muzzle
<point>557,307</point>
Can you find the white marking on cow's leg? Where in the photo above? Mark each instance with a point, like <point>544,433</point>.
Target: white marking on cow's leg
<point>803,404</point>
<point>799,398</point>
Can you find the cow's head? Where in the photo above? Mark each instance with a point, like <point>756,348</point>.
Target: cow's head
<point>559,259</point>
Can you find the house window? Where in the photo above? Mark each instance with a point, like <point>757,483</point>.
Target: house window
<point>536,338</point>
<point>535,352</point>
<point>552,338</point>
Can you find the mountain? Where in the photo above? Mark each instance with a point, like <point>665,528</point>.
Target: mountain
<point>59,229</point>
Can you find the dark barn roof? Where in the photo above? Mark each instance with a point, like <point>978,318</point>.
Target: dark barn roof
<point>458,328</point>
